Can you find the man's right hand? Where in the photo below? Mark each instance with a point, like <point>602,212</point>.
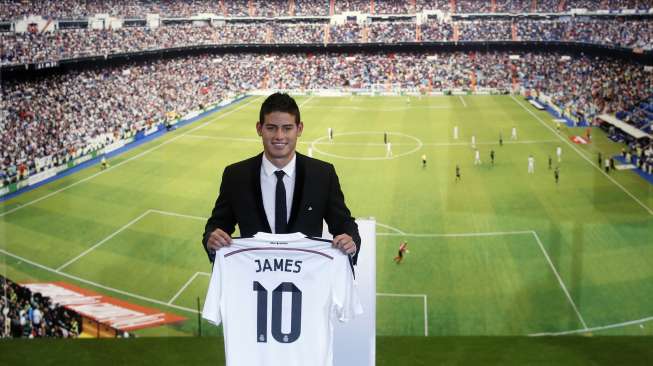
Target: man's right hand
<point>217,240</point>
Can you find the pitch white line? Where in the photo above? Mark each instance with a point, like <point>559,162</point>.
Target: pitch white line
<point>457,235</point>
<point>224,138</point>
<point>649,210</point>
<point>418,146</point>
<point>383,109</point>
<point>363,144</point>
<point>501,233</point>
<point>444,144</point>
<point>201,218</point>
<point>125,227</point>
<point>488,143</point>
<point>102,241</point>
<point>241,139</point>
<point>463,100</point>
<point>388,294</point>
<point>594,329</point>
<point>126,161</point>
<point>423,296</point>
<point>186,285</point>
<point>584,330</point>
<point>168,213</point>
<point>390,227</point>
<point>562,284</point>
<point>182,288</point>
<point>398,233</point>
<point>300,142</point>
<point>306,101</point>
<point>154,301</point>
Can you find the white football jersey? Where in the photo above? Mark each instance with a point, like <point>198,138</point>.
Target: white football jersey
<point>277,295</point>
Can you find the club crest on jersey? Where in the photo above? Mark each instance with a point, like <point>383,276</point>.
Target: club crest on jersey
<point>278,264</point>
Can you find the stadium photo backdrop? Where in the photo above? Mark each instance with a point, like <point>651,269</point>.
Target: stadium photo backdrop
<point>498,251</point>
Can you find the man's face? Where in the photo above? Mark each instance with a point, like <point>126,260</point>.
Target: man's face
<point>279,134</point>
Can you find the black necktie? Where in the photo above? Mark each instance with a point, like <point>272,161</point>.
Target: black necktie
<point>280,212</point>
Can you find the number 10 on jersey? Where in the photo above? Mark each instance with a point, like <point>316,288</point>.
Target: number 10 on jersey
<point>262,313</point>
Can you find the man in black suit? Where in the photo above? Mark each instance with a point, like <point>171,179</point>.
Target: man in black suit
<point>280,189</point>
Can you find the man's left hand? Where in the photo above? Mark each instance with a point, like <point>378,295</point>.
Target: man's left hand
<point>345,243</point>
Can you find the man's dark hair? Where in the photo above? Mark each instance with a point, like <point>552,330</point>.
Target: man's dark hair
<point>279,102</point>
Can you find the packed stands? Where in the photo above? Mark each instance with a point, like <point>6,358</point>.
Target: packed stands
<point>50,120</point>
<point>76,9</point>
<point>68,115</point>
<point>19,48</point>
<point>482,30</point>
<point>514,6</point>
<point>393,7</point>
<point>391,32</point>
<point>472,6</point>
<point>311,7</point>
<point>443,5</point>
<point>24,314</point>
<point>237,8</point>
<point>639,114</point>
<point>289,33</point>
<point>346,33</point>
<point>342,6</point>
<point>436,31</point>
<point>607,5</point>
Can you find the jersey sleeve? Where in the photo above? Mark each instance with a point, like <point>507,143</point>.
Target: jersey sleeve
<point>346,304</point>
<point>211,310</point>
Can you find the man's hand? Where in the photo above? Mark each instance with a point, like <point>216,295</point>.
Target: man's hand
<point>217,240</point>
<point>345,243</point>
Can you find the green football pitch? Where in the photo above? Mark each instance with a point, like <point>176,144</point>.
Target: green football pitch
<point>500,252</point>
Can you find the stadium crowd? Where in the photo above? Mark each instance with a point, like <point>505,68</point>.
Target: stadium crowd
<point>65,116</point>
<point>75,9</point>
<point>639,114</point>
<point>472,6</point>
<point>289,33</point>
<point>482,30</point>
<point>24,314</point>
<point>585,86</point>
<point>65,44</point>
<point>311,7</point>
<point>342,6</point>
<point>394,7</point>
<point>510,6</point>
<point>442,5</point>
<point>238,8</point>
<point>631,34</point>
<point>638,154</point>
<point>392,32</point>
<point>436,31</point>
<point>346,33</point>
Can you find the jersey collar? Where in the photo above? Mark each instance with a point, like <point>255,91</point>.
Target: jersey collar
<point>287,237</point>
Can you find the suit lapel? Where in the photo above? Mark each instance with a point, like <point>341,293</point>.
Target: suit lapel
<point>300,172</point>
<point>256,183</point>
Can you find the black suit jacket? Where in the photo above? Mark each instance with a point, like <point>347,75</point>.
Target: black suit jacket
<point>317,196</point>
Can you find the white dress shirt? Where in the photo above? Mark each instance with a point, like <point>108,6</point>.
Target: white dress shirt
<point>269,187</point>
